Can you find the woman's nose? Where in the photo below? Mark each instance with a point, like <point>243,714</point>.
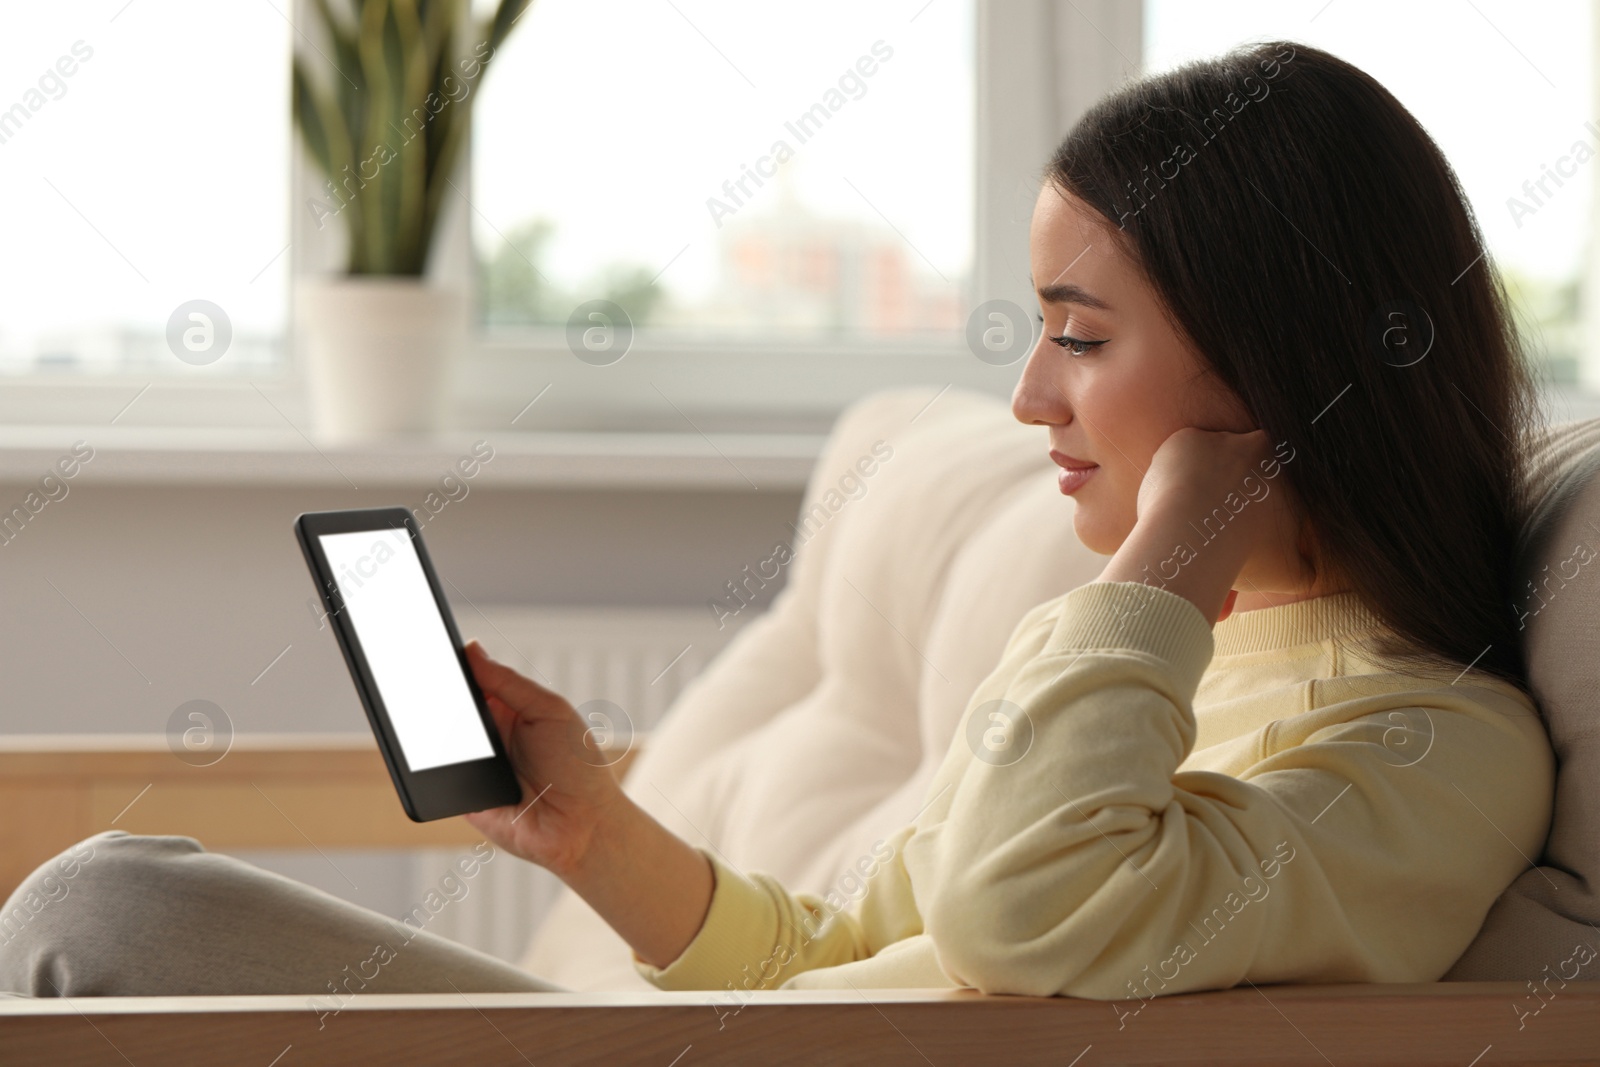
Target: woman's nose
<point>1037,399</point>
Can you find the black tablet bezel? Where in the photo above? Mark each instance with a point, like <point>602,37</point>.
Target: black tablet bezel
<point>438,792</point>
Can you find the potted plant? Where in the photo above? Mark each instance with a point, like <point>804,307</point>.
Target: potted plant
<point>384,112</point>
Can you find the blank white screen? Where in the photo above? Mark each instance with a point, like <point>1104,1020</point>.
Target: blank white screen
<point>389,604</point>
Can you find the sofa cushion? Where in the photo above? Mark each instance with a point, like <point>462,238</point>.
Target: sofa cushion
<point>1554,907</point>
<point>816,730</point>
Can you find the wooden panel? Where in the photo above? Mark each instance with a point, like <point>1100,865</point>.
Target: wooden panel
<point>40,819</point>
<point>145,756</point>
<point>279,791</point>
<point>1446,1024</point>
<point>282,814</point>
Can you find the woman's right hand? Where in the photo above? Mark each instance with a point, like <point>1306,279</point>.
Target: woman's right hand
<point>568,791</point>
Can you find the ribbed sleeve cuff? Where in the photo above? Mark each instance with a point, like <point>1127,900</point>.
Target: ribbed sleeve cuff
<point>1136,617</point>
<point>730,940</point>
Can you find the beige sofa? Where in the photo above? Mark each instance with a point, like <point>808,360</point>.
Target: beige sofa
<point>815,733</point>
<point>1553,907</point>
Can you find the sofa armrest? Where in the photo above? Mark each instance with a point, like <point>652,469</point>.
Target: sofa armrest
<point>276,791</point>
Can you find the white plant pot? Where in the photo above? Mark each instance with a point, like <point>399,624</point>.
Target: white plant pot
<point>378,352</point>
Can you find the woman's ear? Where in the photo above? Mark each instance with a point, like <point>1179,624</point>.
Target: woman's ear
<point>1310,551</point>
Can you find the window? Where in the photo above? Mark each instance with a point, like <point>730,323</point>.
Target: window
<point>145,155</point>
<point>729,170</point>
<point>1504,88</point>
<point>629,151</point>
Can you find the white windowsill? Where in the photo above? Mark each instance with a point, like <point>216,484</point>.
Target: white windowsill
<point>537,460</point>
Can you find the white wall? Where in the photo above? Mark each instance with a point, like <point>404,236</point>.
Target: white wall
<point>123,601</point>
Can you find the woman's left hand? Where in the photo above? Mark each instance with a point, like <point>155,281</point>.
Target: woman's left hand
<point>1208,513</point>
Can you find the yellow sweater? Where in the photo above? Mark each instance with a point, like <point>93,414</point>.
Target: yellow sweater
<point>1175,808</point>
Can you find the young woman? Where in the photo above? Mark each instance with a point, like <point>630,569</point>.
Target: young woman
<point>1285,736</point>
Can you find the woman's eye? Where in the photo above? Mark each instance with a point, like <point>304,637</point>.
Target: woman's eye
<point>1076,346</point>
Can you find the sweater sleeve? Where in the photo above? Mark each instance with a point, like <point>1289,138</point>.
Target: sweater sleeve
<point>1092,866</point>
<point>758,935</point>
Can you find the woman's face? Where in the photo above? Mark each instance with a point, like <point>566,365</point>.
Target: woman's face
<point>1113,404</point>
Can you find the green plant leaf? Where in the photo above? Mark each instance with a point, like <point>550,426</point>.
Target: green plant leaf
<point>380,236</point>
<point>454,130</point>
<point>306,116</point>
<point>323,131</point>
<point>346,61</point>
<point>388,134</point>
<point>505,16</point>
<point>411,164</point>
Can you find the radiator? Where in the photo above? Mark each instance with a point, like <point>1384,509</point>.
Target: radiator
<point>636,659</point>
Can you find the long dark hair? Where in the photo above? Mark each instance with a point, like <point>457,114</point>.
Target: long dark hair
<point>1309,238</point>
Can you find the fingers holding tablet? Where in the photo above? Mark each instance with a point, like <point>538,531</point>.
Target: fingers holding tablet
<point>516,690</point>
<point>566,792</point>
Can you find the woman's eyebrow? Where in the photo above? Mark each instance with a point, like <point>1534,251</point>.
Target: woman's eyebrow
<point>1068,293</point>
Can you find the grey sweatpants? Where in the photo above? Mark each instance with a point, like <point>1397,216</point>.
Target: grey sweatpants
<point>124,915</point>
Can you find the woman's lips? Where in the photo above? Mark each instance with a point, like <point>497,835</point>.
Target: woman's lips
<point>1072,480</point>
<point>1074,472</point>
